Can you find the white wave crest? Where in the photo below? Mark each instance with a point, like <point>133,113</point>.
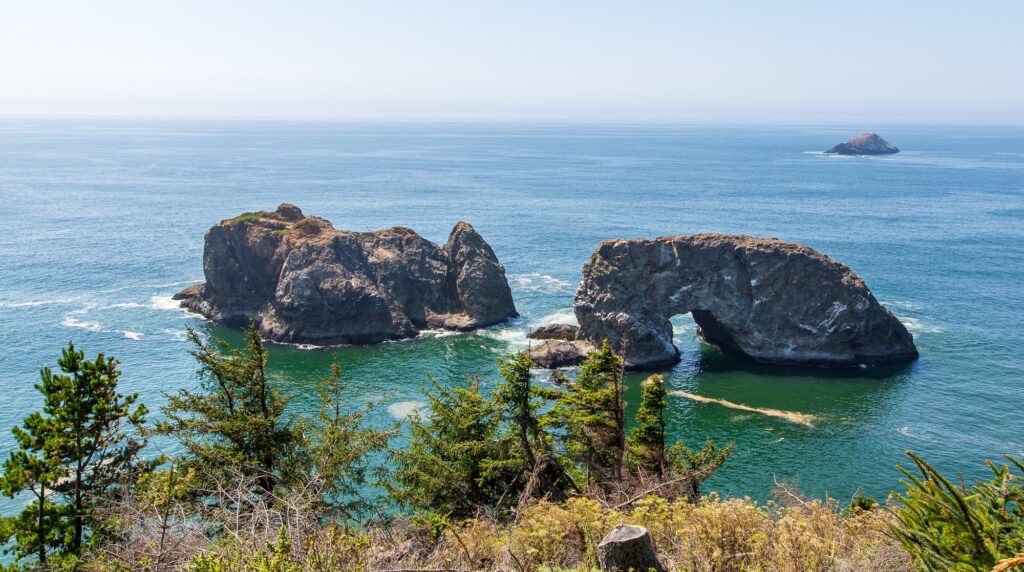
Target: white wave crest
<point>33,303</point>
<point>165,302</point>
<point>72,322</point>
<point>132,335</point>
<point>515,339</point>
<point>403,409</point>
<point>438,333</point>
<point>563,316</point>
<point>537,282</point>
<point>917,327</point>
<point>127,305</point>
<point>176,335</point>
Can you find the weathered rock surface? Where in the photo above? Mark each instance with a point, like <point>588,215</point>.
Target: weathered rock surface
<point>553,332</point>
<point>774,301</point>
<point>864,144</point>
<point>304,281</point>
<point>551,354</point>
<point>628,547</point>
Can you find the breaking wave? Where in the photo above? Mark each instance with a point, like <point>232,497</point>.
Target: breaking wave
<point>403,409</point>
<point>537,282</point>
<point>72,322</point>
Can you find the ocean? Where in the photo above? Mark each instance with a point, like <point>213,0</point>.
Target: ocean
<point>103,220</point>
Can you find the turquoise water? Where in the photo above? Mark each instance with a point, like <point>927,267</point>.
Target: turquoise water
<point>103,220</point>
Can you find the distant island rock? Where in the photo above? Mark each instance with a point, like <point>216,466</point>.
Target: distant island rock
<point>303,281</point>
<point>773,301</point>
<point>865,144</point>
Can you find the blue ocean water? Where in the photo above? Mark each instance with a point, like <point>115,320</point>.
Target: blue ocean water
<point>103,220</point>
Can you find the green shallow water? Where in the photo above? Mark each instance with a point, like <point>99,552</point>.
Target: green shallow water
<point>103,221</point>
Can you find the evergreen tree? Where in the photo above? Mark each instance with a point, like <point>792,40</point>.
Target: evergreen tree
<point>520,402</point>
<point>697,465</point>
<point>592,414</point>
<point>238,418</point>
<point>341,447</point>
<point>76,449</point>
<point>456,461</point>
<point>651,454</point>
<point>648,438</point>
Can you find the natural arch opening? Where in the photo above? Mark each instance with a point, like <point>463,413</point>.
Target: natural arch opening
<point>773,301</point>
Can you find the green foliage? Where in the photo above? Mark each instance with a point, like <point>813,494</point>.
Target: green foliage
<point>248,216</point>
<point>341,446</point>
<point>70,455</point>
<point>520,403</point>
<point>592,415</point>
<point>238,419</point>
<point>456,461</point>
<point>648,438</point>
<point>274,557</point>
<point>954,527</point>
<point>860,503</point>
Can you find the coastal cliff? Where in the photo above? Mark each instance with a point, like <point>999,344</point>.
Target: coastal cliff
<point>303,281</point>
<point>773,301</point>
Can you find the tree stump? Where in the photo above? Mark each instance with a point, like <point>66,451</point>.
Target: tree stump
<point>628,547</point>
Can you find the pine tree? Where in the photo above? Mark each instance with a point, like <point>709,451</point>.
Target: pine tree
<point>456,461</point>
<point>592,414</point>
<point>341,447</point>
<point>651,454</point>
<point>76,449</point>
<point>238,420</point>
<point>648,438</point>
<point>520,402</point>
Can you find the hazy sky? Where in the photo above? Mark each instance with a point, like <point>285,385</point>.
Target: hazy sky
<point>898,61</point>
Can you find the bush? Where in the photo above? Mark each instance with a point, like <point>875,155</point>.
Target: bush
<point>955,527</point>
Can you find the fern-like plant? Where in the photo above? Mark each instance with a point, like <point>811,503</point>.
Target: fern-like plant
<point>948,526</point>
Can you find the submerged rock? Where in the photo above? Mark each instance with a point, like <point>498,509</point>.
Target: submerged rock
<point>774,301</point>
<point>864,144</point>
<point>304,281</point>
<point>552,354</point>
<point>554,332</point>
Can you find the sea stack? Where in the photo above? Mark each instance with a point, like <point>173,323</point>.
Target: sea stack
<point>303,281</point>
<point>864,144</point>
<point>772,301</point>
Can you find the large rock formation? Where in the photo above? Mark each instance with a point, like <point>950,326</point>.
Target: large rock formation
<point>864,144</point>
<point>773,301</point>
<point>304,281</point>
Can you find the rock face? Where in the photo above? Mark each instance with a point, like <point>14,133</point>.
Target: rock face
<point>865,144</point>
<point>554,332</point>
<point>304,281</point>
<point>774,301</point>
<point>551,354</point>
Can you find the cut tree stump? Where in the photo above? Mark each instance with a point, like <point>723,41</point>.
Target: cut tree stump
<point>628,547</point>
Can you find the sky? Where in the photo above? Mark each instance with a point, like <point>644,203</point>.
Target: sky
<point>638,60</point>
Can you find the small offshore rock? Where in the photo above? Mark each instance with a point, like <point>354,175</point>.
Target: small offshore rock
<point>551,354</point>
<point>864,144</point>
<point>554,332</point>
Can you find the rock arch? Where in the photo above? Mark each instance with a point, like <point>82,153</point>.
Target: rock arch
<point>776,302</point>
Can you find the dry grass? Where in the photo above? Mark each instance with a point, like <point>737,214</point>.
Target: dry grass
<point>713,535</point>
